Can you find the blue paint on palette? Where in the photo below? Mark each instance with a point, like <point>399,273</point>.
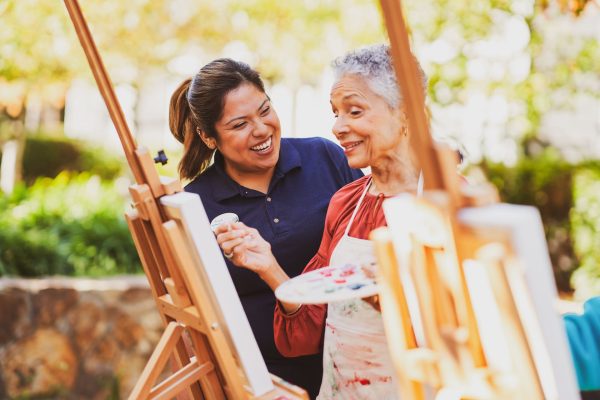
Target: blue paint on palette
<point>356,286</point>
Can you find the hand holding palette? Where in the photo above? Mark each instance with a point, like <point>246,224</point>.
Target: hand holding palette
<point>328,284</point>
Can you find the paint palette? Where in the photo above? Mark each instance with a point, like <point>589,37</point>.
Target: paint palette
<point>327,285</point>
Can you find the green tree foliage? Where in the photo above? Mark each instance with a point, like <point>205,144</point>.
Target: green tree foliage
<point>545,181</point>
<point>138,35</point>
<point>585,218</point>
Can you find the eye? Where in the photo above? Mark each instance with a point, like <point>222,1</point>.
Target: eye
<point>239,125</point>
<point>265,111</point>
<point>355,112</point>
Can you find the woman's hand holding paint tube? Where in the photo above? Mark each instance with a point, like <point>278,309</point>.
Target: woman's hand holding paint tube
<point>245,247</point>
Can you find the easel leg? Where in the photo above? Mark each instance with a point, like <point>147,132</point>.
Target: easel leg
<point>186,375</point>
<point>157,361</point>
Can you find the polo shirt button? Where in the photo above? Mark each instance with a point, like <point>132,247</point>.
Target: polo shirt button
<point>276,220</point>
<point>269,199</point>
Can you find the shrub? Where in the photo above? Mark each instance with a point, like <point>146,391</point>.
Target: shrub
<point>47,157</point>
<point>567,196</point>
<point>71,225</point>
<point>545,181</point>
<point>585,218</point>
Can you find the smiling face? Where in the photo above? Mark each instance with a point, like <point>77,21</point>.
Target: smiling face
<point>248,133</point>
<point>369,130</point>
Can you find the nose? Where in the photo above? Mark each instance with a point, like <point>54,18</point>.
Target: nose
<point>260,128</point>
<point>339,127</point>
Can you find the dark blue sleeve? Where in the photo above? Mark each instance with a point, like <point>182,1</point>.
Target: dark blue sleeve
<point>340,162</point>
<point>583,332</point>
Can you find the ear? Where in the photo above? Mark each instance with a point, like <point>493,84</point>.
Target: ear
<point>210,142</point>
<point>402,118</point>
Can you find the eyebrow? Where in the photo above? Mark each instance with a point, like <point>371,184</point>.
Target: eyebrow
<point>243,116</point>
<point>346,97</point>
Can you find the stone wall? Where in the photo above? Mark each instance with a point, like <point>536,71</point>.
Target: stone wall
<point>68,338</point>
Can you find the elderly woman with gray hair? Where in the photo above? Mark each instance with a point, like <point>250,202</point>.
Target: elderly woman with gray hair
<point>371,126</point>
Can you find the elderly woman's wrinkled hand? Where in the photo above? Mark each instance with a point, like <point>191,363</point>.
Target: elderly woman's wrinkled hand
<point>245,247</point>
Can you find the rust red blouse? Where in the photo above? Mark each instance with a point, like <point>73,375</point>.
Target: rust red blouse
<point>302,332</point>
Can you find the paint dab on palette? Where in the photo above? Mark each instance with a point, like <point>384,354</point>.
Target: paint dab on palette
<point>327,285</point>
<point>357,286</point>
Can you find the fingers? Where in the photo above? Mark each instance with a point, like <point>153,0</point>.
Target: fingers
<point>239,256</point>
<point>234,240</point>
<point>243,245</point>
<point>228,226</point>
<point>370,270</point>
<point>238,227</point>
<point>229,246</point>
<point>239,246</point>
<point>224,236</point>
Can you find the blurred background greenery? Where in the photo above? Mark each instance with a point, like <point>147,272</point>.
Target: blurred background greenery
<point>501,74</point>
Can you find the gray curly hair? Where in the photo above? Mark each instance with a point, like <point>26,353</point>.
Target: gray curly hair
<point>374,64</point>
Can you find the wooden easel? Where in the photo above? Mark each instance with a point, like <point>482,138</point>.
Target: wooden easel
<point>451,355</point>
<point>211,367</point>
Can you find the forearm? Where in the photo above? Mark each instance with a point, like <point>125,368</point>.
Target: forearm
<point>275,276</point>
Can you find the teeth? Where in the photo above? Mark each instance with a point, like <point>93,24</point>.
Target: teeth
<point>353,145</point>
<point>263,146</point>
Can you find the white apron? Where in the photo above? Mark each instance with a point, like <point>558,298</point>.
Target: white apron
<point>356,362</point>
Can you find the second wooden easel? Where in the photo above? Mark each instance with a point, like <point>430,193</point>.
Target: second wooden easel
<point>434,331</point>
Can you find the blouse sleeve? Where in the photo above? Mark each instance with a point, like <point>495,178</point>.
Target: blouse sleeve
<point>301,333</point>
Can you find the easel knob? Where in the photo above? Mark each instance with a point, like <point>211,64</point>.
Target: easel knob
<point>161,157</point>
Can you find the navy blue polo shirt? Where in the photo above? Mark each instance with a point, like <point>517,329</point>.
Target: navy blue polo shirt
<point>291,218</point>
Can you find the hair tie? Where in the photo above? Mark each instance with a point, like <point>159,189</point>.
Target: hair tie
<point>187,90</point>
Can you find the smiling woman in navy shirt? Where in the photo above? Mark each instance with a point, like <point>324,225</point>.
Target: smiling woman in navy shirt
<point>282,187</point>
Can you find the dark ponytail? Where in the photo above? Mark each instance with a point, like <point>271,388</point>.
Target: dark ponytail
<point>197,104</point>
<point>183,126</point>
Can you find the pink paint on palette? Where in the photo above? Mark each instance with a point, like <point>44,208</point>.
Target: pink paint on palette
<point>327,285</point>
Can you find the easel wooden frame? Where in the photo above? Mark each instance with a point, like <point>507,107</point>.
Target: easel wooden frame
<point>453,356</point>
<point>211,367</point>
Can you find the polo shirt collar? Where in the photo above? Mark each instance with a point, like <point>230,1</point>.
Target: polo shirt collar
<point>289,159</point>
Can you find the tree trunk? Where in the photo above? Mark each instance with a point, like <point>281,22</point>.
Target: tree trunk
<point>294,130</point>
<point>11,167</point>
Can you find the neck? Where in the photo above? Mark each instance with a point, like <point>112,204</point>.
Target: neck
<point>254,180</point>
<point>394,175</point>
